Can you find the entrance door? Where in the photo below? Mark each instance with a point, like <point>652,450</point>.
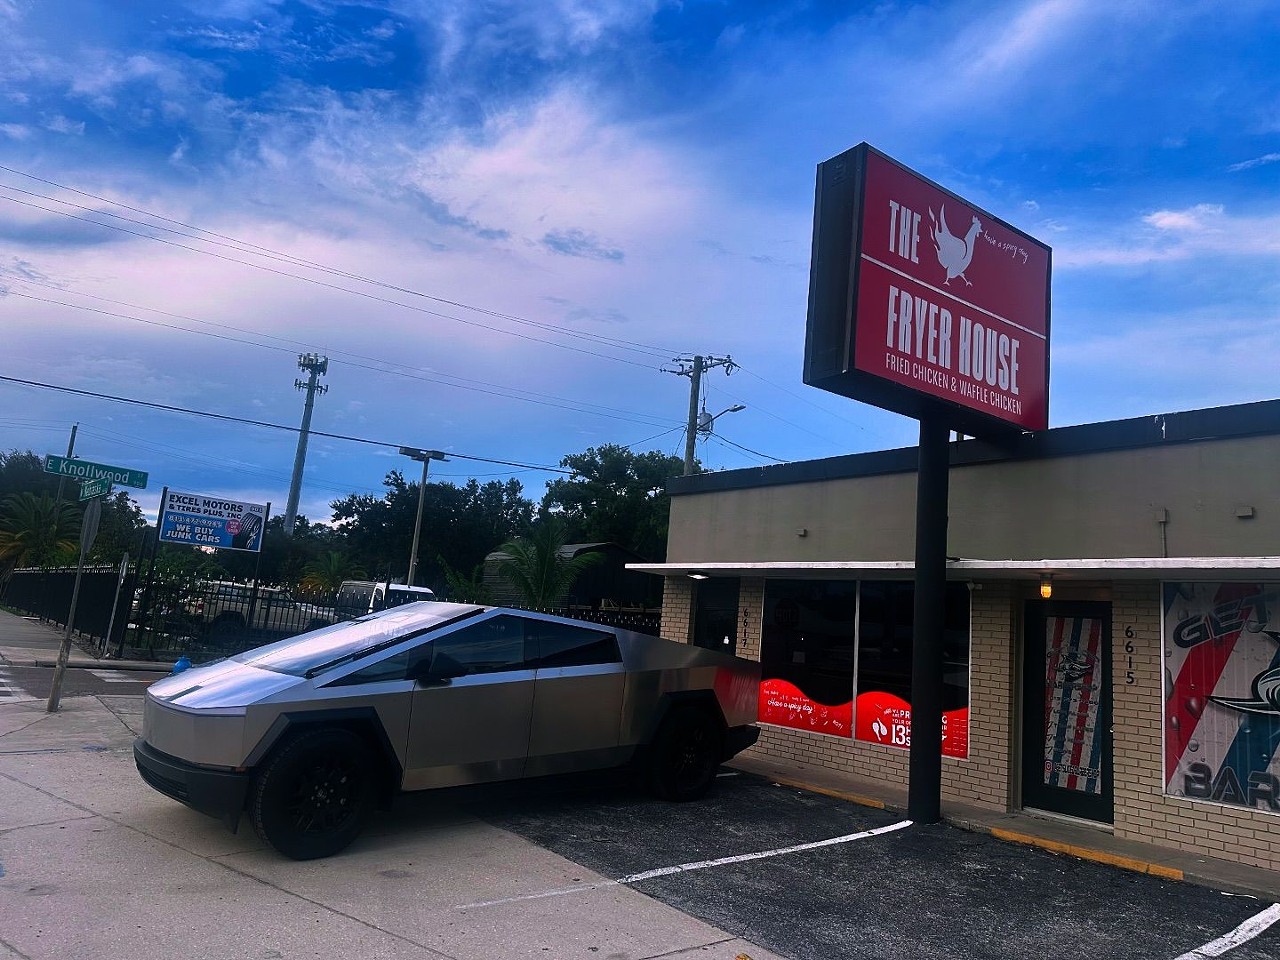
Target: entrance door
<point>1066,727</point>
<point>715,614</point>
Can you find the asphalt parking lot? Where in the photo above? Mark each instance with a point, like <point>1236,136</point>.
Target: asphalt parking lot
<point>920,892</point>
<point>95,864</point>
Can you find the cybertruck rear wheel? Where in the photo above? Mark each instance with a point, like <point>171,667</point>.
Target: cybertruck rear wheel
<point>685,754</point>
<point>314,795</point>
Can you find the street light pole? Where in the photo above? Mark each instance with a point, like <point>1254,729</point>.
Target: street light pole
<point>426,456</point>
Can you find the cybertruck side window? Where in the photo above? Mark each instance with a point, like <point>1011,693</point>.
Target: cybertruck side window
<point>560,645</point>
<point>490,646</point>
<point>389,668</point>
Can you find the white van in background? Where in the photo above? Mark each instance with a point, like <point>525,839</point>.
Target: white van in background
<point>358,597</point>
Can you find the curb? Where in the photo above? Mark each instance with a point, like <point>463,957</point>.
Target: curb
<point>139,666</point>
<point>1120,861</point>
<point>1084,853</point>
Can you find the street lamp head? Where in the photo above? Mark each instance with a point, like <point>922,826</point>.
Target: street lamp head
<point>413,453</point>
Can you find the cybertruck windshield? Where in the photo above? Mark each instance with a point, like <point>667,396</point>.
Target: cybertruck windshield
<point>308,654</point>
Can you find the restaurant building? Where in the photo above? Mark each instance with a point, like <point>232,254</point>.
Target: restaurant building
<point>1112,646</point>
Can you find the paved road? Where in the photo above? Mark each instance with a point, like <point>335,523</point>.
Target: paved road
<point>20,683</point>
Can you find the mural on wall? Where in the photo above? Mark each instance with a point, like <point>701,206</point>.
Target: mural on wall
<point>1073,684</point>
<point>1222,693</point>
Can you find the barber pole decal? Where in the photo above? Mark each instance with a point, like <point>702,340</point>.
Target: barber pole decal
<point>1073,693</point>
<point>1222,693</point>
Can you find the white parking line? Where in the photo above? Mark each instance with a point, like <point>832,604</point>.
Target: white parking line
<point>1241,934</point>
<point>695,865</point>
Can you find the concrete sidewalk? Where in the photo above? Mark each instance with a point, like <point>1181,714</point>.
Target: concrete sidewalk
<point>32,642</point>
<point>95,864</point>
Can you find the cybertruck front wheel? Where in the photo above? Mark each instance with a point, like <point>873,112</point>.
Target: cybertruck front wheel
<point>314,794</point>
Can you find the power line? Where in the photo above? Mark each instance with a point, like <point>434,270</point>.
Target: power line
<point>242,246</point>
<point>260,423</point>
<point>444,379</point>
<point>754,453</point>
<point>330,286</point>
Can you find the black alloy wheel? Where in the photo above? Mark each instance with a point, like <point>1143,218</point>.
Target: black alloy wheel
<point>685,754</point>
<point>314,795</point>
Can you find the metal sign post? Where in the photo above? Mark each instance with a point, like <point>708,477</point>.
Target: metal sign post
<point>88,532</point>
<point>924,788</point>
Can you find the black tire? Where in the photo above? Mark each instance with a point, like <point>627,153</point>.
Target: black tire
<point>314,794</point>
<point>685,754</point>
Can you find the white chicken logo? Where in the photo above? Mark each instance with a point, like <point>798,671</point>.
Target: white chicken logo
<point>954,254</point>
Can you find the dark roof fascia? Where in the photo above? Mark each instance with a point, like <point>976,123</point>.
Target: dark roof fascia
<point>1216,423</point>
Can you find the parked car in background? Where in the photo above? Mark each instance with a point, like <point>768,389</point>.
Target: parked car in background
<point>309,735</point>
<point>228,610</point>
<point>358,597</point>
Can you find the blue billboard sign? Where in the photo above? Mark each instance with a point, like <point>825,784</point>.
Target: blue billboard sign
<point>202,521</point>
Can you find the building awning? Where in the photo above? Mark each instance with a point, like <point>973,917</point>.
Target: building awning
<point>1107,568</point>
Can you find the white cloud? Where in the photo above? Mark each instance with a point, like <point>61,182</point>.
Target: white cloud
<point>61,124</point>
<point>1201,217</point>
<point>1023,39</point>
<point>1255,162</point>
<point>1205,229</point>
<point>15,131</point>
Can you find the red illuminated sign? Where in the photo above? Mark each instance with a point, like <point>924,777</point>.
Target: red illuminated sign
<point>917,296</point>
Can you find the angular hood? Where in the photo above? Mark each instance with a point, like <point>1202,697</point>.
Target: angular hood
<point>223,685</point>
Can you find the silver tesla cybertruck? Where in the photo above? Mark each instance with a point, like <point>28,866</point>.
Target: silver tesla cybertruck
<point>309,735</point>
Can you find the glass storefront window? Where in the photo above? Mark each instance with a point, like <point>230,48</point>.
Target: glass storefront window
<point>806,654</point>
<point>823,641</point>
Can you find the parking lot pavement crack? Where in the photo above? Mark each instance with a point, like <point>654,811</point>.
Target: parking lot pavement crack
<point>25,726</point>
<point>7,831</point>
<point>687,951</point>
<point>12,950</point>
<point>328,909</point>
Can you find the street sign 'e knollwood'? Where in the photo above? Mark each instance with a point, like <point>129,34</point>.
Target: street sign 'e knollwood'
<point>87,470</point>
<point>917,296</point>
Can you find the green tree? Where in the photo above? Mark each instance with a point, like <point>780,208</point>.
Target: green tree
<point>119,531</point>
<point>326,573</point>
<point>23,472</point>
<point>616,496</point>
<point>535,567</point>
<point>36,530</point>
<point>460,525</point>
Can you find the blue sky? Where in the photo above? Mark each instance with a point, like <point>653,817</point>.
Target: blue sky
<point>502,220</point>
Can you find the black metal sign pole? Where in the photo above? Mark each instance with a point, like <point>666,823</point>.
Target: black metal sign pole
<point>924,792</point>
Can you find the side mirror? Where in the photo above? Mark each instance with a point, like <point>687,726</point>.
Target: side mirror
<point>438,669</point>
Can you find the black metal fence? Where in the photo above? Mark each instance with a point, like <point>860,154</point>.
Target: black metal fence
<point>205,619</point>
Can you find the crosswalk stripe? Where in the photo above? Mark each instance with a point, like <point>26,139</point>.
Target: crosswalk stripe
<point>116,676</point>
<point>9,692</point>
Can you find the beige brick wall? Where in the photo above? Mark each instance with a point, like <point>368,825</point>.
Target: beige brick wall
<point>1142,810</point>
<point>677,608</point>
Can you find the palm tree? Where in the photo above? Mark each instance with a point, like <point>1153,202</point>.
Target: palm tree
<point>535,567</point>
<point>464,589</point>
<point>36,530</point>
<point>326,573</point>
